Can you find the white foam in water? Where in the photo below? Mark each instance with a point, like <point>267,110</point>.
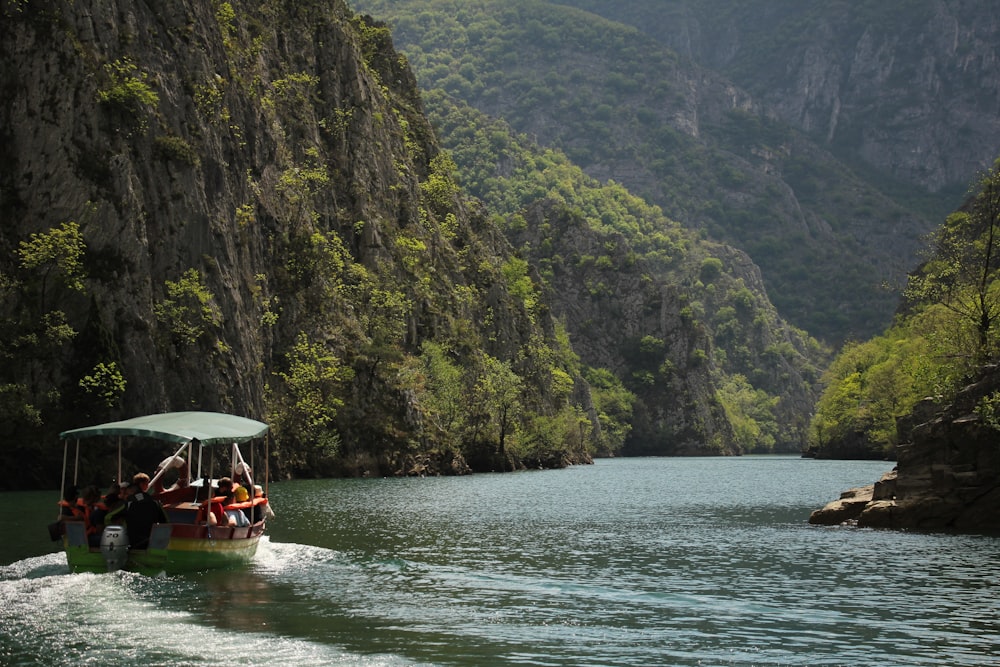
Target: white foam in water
<point>283,556</point>
<point>48,616</point>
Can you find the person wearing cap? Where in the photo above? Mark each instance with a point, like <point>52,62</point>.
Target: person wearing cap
<point>235,515</point>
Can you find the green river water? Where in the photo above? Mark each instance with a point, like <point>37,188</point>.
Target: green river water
<point>699,561</point>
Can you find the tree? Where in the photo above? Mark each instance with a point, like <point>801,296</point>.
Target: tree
<point>965,264</point>
<point>33,332</point>
<point>313,386</point>
<point>58,252</point>
<point>497,393</point>
<point>189,310</point>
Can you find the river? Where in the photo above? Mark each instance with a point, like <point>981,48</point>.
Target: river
<point>694,561</point>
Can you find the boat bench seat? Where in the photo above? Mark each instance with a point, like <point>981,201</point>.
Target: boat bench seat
<point>182,512</point>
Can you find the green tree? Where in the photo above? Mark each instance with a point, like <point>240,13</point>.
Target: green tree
<point>750,412</point>
<point>962,271</point>
<point>613,403</point>
<point>57,253</point>
<point>870,384</point>
<point>189,310</point>
<point>497,397</point>
<point>105,382</point>
<point>444,397</point>
<point>33,334</point>
<point>312,394</point>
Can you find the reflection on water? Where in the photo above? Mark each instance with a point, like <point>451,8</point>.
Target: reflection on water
<point>627,562</point>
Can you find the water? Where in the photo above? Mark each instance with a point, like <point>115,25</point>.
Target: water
<point>626,562</point>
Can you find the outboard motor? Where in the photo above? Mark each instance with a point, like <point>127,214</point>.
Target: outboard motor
<point>114,547</point>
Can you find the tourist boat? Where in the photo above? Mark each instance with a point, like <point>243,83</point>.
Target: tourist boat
<point>188,541</point>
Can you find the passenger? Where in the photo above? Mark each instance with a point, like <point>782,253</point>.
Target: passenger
<point>216,505</point>
<point>238,514</point>
<point>141,480</point>
<point>99,513</point>
<point>69,510</point>
<point>226,491</point>
<point>68,506</point>
<point>142,511</point>
<point>261,509</point>
<point>115,500</point>
<point>94,510</point>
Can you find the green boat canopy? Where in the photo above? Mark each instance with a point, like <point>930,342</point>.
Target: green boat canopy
<point>211,428</point>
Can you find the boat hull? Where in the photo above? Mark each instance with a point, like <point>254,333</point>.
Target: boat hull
<point>173,548</point>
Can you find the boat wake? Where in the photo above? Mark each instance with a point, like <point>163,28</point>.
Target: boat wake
<point>50,616</point>
<point>281,557</point>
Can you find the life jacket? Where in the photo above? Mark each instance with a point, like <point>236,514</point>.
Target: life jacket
<point>71,510</point>
<point>93,528</point>
<point>206,507</point>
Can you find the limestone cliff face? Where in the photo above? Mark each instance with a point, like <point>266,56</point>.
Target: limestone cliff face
<point>677,412</point>
<point>911,92</point>
<point>262,161</point>
<point>675,335</point>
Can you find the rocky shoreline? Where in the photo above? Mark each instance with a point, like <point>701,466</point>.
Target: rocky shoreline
<point>947,474</point>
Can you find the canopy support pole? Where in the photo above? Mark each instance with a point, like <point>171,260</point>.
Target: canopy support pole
<point>161,471</point>
<point>62,479</point>
<point>237,459</point>
<point>201,455</point>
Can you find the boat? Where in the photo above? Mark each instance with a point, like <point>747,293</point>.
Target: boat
<point>190,539</point>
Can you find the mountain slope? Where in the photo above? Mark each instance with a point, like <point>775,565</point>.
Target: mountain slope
<point>240,206</point>
<point>685,323</point>
<point>622,106</point>
<point>913,93</point>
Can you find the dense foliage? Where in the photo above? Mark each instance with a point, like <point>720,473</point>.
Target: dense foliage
<point>592,239</point>
<point>289,243</point>
<point>948,329</point>
<point>621,105</point>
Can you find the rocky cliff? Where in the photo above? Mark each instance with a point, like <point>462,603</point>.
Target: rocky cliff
<point>912,93</point>
<point>684,323</point>
<point>236,206</point>
<point>947,474</point>
<point>679,336</point>
<point>712,153</point>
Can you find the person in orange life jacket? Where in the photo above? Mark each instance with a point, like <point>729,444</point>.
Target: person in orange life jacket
<point>92,503</point>
<point>100,511</point>
<point>141,512</point>
<point>68,511</point>
<point>69,507</point>
<point>216,506</point>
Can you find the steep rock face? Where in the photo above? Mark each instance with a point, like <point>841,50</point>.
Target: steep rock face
<point>947,475</point>
<point>247,179</point>
<point>712,153</point>
<point>675,344</point>
<point>913,93</point>
<point>677,411</point>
